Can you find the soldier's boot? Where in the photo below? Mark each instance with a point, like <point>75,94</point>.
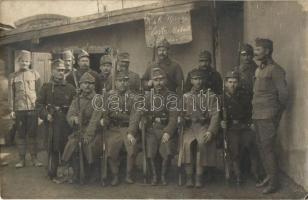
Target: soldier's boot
<point>154,174</point>
<point>189,174</point>
<point>75,166</point>
<point>33,152</point>
<point>164,171</point>
<point>129,169</point>
<point>198,183</point>
<point>22,161</point>
<point>237,173</point>
<point>35,161</point>
<point>115,171</point>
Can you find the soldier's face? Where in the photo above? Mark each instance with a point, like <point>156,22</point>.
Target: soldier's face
<point>159,83</point>
<point>162,53</point>
<point>84,63</point>
<point>196,83</point>
<point>205,63</point>
<point>68,63</point>
<point>260,53</point>
<point>123,65</point>
<point>24,63</point>
<point>122,84</point>
<point>87,87</point>
<point>231,85</point>
<point>58,73</point>
<point>106,68</point>
<point>246,58</point>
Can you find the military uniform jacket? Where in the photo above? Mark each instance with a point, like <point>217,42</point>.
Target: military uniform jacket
<point>270,91</point>
<point>247,74</point>
<point>200,116</point>
<point>211,79</point>
<point>105,82</point>
<point>134,81</point>
<point>23,87</point>
<point>174,74</point>
<point>70,79</point>
<point>54,99</point>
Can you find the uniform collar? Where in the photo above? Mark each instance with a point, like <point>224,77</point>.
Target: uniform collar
<point>266,62</point>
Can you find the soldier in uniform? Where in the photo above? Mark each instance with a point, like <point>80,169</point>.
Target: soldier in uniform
<point>90,132</point>
<point>246,68</point>
<point>53,102</point>
<point>200,127</point>
<point>69,62</point>
<point>22,92</point>
<point>84,66</point>
<point>123,65</point>
<point>238,108</point>
<point>212,78</point>
<point>161,123</point>
<point>105,74</point>
<point>172,69</point>
<point>269,101</point>
<point>117,135</point>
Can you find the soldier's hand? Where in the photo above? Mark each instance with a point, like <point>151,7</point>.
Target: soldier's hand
<point>12,115</point>
<point>102,122</point>
<point>207,136</point>
<point>150,83</point>
<point>131,139</point>
<point>39,121</point>
<point>165,138</point>
<point>252,127</point>
<point>49,117</point>
<point>75,121</point>
<point>223,124</point>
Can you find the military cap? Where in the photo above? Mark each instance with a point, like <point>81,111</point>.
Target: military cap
<point>246,49</point>
<point>124,56</point>
<point>83,53</point>
<point>196,73</point>
<point>67,54</point>
<point>266,43</point>
<point>26,55</point>
<point>122,75</point>
<point>106,59</point>
<point>163,43</point>
<point>232,74</point>
<point>205,55</point>
<point>87,77</point>
<point>158,73</point>
<point>58,63</point>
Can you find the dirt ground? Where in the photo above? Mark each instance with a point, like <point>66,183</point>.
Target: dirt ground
<point>30,182</point>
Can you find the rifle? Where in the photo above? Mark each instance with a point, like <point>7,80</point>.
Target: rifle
<point>225,137</point>
<point>143,138</point>
<point>114,67</point>
<point>51,111</point>
<point>103,157</point>
<point>154,49</point>
<point>80,145</point>
<point>181,135</point>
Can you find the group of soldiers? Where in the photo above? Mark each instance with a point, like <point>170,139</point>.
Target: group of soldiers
<point>244,108</point>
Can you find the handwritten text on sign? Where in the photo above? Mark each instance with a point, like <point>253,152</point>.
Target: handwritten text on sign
<point>175,27</point>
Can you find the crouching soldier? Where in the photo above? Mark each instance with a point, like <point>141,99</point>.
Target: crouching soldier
<point>117,135</point>
<point>53,102</point>
<point>161,122</point>
<point>83,145</point>
<point>201,123</point>
<point>237,105</point>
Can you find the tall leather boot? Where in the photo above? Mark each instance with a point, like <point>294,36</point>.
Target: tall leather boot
<point>129,168</point>
<point>33,151</point>
<point>154,174</point>
<point>21,145</point>
<point>164,171</point>
<point>189,175</point>
<point>114,166</point>
<point>237,172</point>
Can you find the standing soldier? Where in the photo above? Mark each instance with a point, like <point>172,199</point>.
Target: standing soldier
<point>212,78</point>
<point>53,102</point>
<point>269,101</point>
<point>23,87</point>
<point>134,79</point>
<point>87,134</point>
<point>69,62</point>
<point>201,123</point>
<point>246,68</point>
<point>105,74</point>
<point>161,123</point>
<point>238,122</point>
<point>84,66</point>
<point>173,70</point>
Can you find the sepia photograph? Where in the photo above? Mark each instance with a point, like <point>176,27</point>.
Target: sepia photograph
<point>153,99</point>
